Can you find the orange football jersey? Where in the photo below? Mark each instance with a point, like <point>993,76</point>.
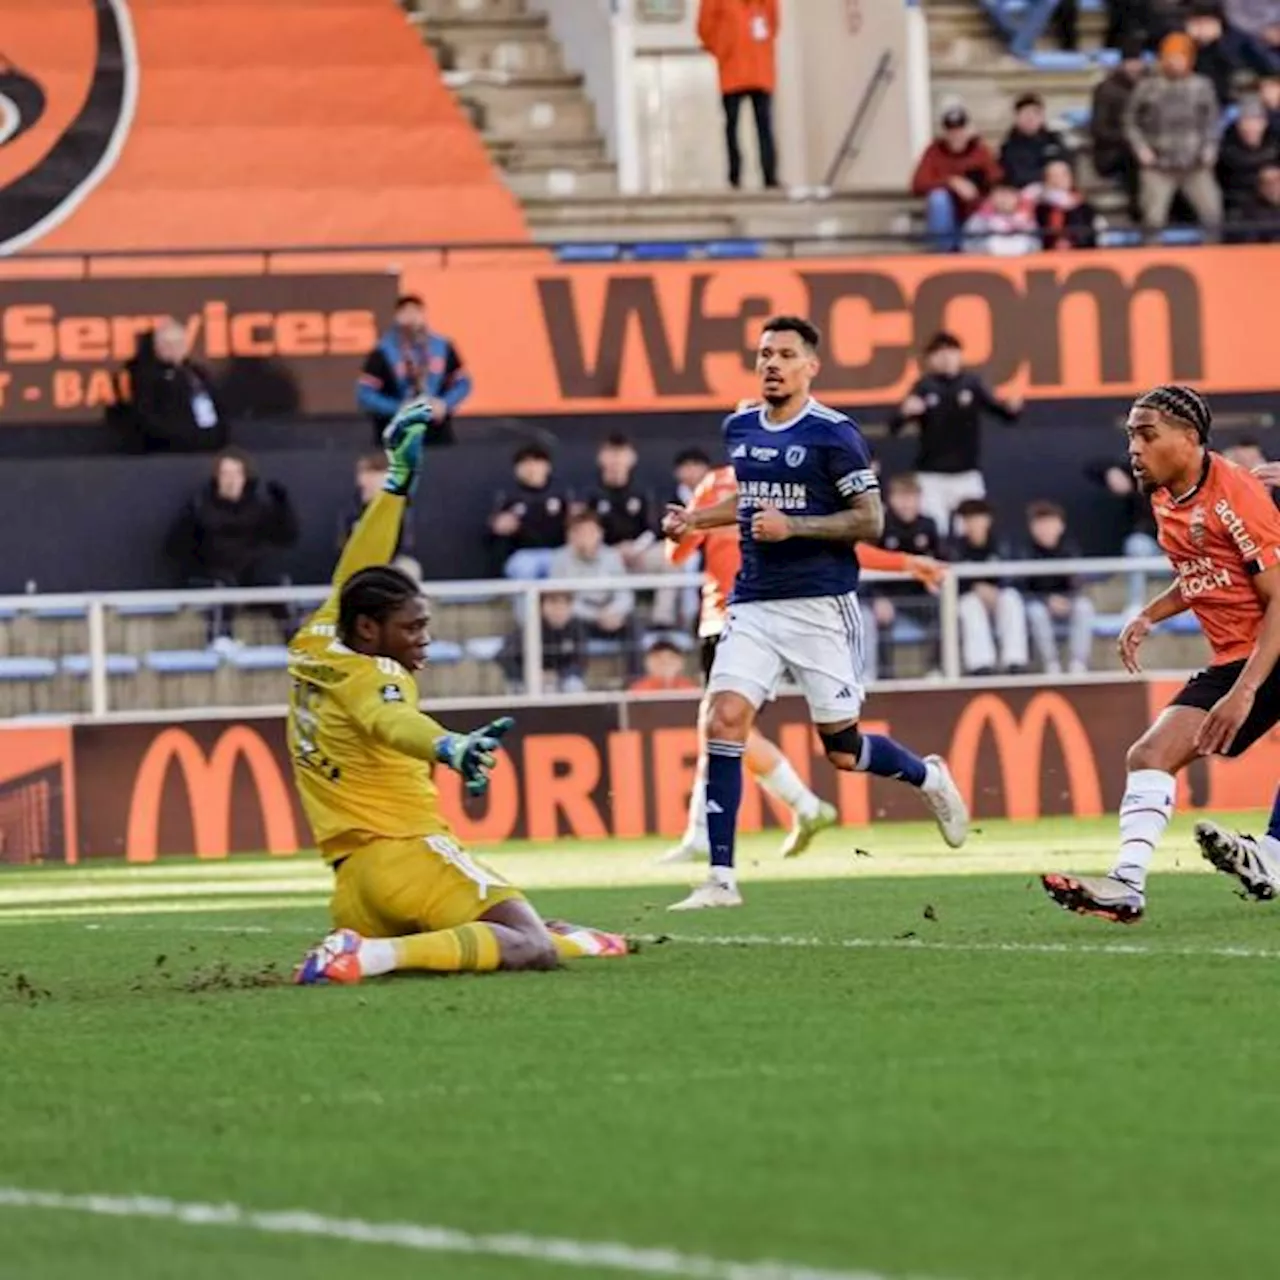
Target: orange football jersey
<point>1218,537</point>
<point>721,557</point>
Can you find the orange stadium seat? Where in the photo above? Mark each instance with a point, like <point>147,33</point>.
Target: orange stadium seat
<point>279,122</point>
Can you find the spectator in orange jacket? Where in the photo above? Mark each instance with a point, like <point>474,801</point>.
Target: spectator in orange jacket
<point>740,35</point>
<point>955,172</point>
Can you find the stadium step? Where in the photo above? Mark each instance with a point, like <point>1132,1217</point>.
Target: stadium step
<point>467,10</point>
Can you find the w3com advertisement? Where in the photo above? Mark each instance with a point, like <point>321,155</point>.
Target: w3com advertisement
<point>216,788</point>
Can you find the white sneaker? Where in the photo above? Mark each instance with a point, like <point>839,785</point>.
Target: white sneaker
<point>803,830</point>
<point>946,803</point>
<point>1240,856</point>
<point>710,894</point>
<point>685,851</point>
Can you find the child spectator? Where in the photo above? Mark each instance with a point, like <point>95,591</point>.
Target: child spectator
<point>1003,225</point>
<point>953,175</point>
<point>664,670</point>
<point>907,529</point>
<point>564,649</point>
<point>1030,144</point>
<point>1065,218</point>
<point>527,524</point>
<point>371,473</point>
<point>1058,599</point>
<point>993,619</point>
<point>1172,125</point>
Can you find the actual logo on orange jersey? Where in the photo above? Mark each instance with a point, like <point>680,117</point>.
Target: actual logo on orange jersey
<point>54,152</point>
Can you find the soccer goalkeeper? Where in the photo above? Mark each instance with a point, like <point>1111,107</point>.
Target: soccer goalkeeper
<point>406,895</point>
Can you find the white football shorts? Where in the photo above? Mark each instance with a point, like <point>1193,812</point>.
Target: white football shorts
<point>819,639</point>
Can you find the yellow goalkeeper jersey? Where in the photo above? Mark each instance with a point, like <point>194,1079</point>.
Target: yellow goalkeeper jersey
<point>362,752</point>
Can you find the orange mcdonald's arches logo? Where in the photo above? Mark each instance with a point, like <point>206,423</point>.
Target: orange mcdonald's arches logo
<point>1019,748</point>
<point>209,793</point>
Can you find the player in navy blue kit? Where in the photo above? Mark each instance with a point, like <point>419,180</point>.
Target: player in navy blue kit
<point>806,494</point>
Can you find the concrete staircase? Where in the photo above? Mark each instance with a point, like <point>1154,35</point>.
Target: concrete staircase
<point>534,114</point>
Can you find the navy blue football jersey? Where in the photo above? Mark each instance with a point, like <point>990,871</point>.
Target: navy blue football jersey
<point>813,465</point>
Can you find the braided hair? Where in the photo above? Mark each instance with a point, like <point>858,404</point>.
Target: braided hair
<point>1185,404</point>
<point>373,593</point>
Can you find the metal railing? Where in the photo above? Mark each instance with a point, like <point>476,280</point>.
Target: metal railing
<point>527,614</point>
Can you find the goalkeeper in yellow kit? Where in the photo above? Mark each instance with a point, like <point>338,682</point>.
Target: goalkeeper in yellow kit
<point>406,895</point>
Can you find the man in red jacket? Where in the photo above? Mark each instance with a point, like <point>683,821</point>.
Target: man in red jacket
<point>740,35</point>
<point>954,174</point>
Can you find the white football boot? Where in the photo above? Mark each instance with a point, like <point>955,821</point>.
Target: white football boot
<point>1242,857</point>
<point>945,802</point>
<point>711,893</point>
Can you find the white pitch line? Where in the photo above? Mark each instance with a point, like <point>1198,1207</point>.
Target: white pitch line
<point>425,1238</point>
<point>995,948</point>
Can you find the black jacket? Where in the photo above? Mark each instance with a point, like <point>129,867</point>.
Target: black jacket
<point>951,428</point>
<point>1050,585</point>
<point>625,512</point>
<point>564,651</point>
<point>962,551</point>
<point>225,541</point>
<point>1024,156</point>
<point>1067,228</point>
<point>350,517</point>
<point>1232,52</point>
<point>917,538</point>
<point>542,515</point>
<point>159,404</point>
<point>1135,504</point>
<point>1106,123</point>
<point>1239,166</point>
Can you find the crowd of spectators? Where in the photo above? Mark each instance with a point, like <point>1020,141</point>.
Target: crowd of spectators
<point>1187,124</point>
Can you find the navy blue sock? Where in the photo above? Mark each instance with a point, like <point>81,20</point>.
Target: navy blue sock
<point>724,795</point>
<point>889,759</point>
<point>1273,827</point>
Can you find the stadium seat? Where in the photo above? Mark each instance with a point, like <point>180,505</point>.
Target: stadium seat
<point>1120,238</point>
<point>588,252</point>
<point>907,631</point>
<point>181,661</point>
<point>147,610</point>
<point>117,664</point>
<point>598,648</point>
<point>679,639</point>
<point>27,668</point>
<point>661,251</point>
<point>444,652</point>
<point>485,648</point>
<point>59,612</point>
<point>731,250</point>
<point>1182,236</point>
<point>260,657</point>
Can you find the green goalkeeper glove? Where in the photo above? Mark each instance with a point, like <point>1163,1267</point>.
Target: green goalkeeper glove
<point>403,442</point>
<point>471,754</point>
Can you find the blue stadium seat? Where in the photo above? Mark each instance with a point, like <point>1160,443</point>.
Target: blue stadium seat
<point>181,662</point>
<point>59,612</point>
<point>118,664</point>
<point>259,657</point>
<point>679,639</point>
<point>907,631</point>
<point>662,251</point>
<point>484,648</point>
<point>147,610</point>
<point>27,668</point>
<point>1182,236</point>
<point>731,250</point>
<point>1077,117</point>
<point>1108,625</point>
<point>603,648</point>
<point>8,615</point>
<point>443,652</point>
<point>1120,238</point>
<point>588,252</point>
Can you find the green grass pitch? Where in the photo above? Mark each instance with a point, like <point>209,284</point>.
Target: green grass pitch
<point>878,1068</point>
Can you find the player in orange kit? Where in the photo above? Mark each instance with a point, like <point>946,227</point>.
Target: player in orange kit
<point>722,558</point>
<point>1221,532</point>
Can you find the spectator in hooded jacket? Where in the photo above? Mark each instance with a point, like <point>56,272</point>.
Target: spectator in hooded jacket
<point>1224,52</point>
<point>1262,216</point>
<point>1172,125</point>
<point>953,175</point>
<point>1030,144</point>
<point>1247,148</point>
<point>1112,155</point>
<point>741,35</point>
<point>230,531</point>
<point>169,402</point>
<point>408,363</point>
<point>1065,218</point>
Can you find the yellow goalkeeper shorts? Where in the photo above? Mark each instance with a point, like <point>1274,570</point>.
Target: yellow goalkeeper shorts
<point>389,888</point>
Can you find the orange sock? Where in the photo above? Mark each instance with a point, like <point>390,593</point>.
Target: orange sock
<point>573,941</point>
<point>470,948</point>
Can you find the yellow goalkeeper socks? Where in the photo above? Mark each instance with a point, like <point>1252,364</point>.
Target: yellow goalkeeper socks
<point>470,948</point>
